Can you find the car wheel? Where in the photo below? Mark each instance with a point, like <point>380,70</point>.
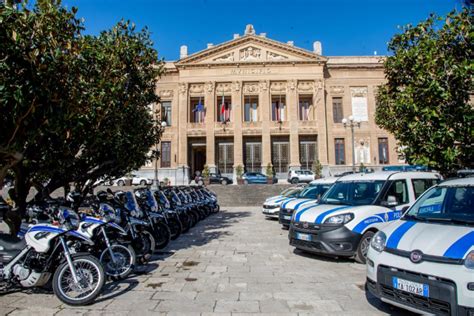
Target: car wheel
<point>294,181</point>
<point>363,248</point>
<point>121,183</point>
<point>224,182</point>
<point>246,181</point>
<point>142,182</point>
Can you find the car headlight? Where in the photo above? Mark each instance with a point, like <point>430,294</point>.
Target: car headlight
<point>378,241</point>
<point>469,262</point>
<point>340,219</point>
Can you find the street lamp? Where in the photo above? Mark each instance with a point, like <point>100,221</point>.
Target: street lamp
<point>163,125</point>
<point>350,122</point>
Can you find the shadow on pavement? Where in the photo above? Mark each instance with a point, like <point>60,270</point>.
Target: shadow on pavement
<point>210,228</point>
<point>321,257</point>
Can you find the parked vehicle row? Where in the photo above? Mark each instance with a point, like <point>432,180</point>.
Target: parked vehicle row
<point>77,243</point>
<point>415,234</point>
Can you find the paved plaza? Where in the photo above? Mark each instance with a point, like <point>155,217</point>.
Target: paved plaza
<point>232,263</point>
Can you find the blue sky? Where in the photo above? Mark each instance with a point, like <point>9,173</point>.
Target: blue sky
<point>344,27</point>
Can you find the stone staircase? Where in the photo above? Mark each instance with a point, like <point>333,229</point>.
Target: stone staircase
<point>246,195</point>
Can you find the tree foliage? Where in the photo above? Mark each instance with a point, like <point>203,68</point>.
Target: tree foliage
<point>74,108</point>
<point>426,101</point>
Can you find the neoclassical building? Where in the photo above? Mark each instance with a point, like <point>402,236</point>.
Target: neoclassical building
<point>254,101</point>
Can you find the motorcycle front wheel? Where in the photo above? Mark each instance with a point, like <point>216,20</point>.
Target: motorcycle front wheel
<point>144,245</point>
<point>91,278</point>
<point>175,227</point>
<point>162,235</point>
<point>123,264</point>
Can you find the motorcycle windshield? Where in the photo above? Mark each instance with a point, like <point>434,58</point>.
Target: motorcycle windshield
<point>130,202</point>
<point>151,201</point>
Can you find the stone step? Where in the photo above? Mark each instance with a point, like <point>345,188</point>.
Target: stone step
<point>246,195</point>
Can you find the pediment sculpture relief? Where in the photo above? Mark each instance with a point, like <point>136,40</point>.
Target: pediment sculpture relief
<point>275,56</point>
<point>305,86</point>
<point>336,89</point>
<point>278,86</point>
<point>196,88</point>
<point>223,87</point>
<point>250,53</point>
<point>251,88</point>
<point>225,58</point>
<point>165,93</point>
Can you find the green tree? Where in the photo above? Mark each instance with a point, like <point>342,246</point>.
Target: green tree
<point>76,107</point>
<point>425,102</point>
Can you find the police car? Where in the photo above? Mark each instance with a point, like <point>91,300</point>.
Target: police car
<point>271,206</point>
<point>354,209</point>
<point>424,262</point>
<point>309,196</point>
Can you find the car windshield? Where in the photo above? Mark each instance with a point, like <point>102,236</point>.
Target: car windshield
<point>288,192</point>
<point>353,192</point>
<point>454,205</point>
<point>314,191</point>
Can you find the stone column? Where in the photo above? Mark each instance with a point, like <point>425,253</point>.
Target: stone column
<point>264,102</point>
<point>183,106</point>
<point>320,108</point>
<point>292,110</point>
<point>210,102</point>
<point>237,108</point>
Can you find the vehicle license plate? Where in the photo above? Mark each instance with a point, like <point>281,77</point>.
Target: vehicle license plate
<point>411,287</point>
<point>287,217</point>
<point>305,237</point>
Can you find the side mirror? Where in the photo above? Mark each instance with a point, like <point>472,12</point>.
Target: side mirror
<point>391,201</point>
<point>404,209</point>
<point>110,191</point>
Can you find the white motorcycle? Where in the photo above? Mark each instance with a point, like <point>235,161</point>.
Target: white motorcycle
<point>117,257</point>
<point>44,252</point>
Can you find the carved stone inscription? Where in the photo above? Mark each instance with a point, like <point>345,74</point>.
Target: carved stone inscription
<point>250,71</point>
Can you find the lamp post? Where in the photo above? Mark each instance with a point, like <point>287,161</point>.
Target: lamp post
<point>163,124</point>
<point>350,122</point>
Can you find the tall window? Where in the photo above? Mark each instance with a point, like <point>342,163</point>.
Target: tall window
<point>340,151</point>
<point>250,108</point>
<point>337,112</point>
<point>225,157</point>
<point>253,157</point>
<point>383,151</point>
<point>305,104</point>
<point>223,109</point>
<point>197,111</point>
<point>165,154</point>
<point>278,108</point>
<point>166,112</point>
<point>280,156</point>
<point>307,154</point>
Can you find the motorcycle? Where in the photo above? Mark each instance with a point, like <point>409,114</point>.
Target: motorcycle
<point>77,278</point>
<point>158,223</point>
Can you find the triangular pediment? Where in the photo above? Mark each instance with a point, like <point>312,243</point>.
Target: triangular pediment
<point>250,49</point>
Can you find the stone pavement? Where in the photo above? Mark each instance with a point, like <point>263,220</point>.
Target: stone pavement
<point>232,263</point>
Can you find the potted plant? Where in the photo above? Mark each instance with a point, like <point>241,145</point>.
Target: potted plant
<point>239,171</point>
<point>361,168</point>
<point>269,173</point>
<point>205,174</point>
<point>317,169</point>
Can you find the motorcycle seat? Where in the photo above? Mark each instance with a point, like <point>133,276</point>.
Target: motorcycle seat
<point>11,243</point>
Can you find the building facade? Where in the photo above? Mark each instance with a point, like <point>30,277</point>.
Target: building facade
<point>253,101</point>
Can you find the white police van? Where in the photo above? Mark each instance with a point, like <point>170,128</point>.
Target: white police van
<point>424,262</point>
<point>271,206</point>
<point>309,196</point>
<point>354,209</point>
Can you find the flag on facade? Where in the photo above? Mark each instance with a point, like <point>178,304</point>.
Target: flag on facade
<point>223,108</point>
<point>199,112</point>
